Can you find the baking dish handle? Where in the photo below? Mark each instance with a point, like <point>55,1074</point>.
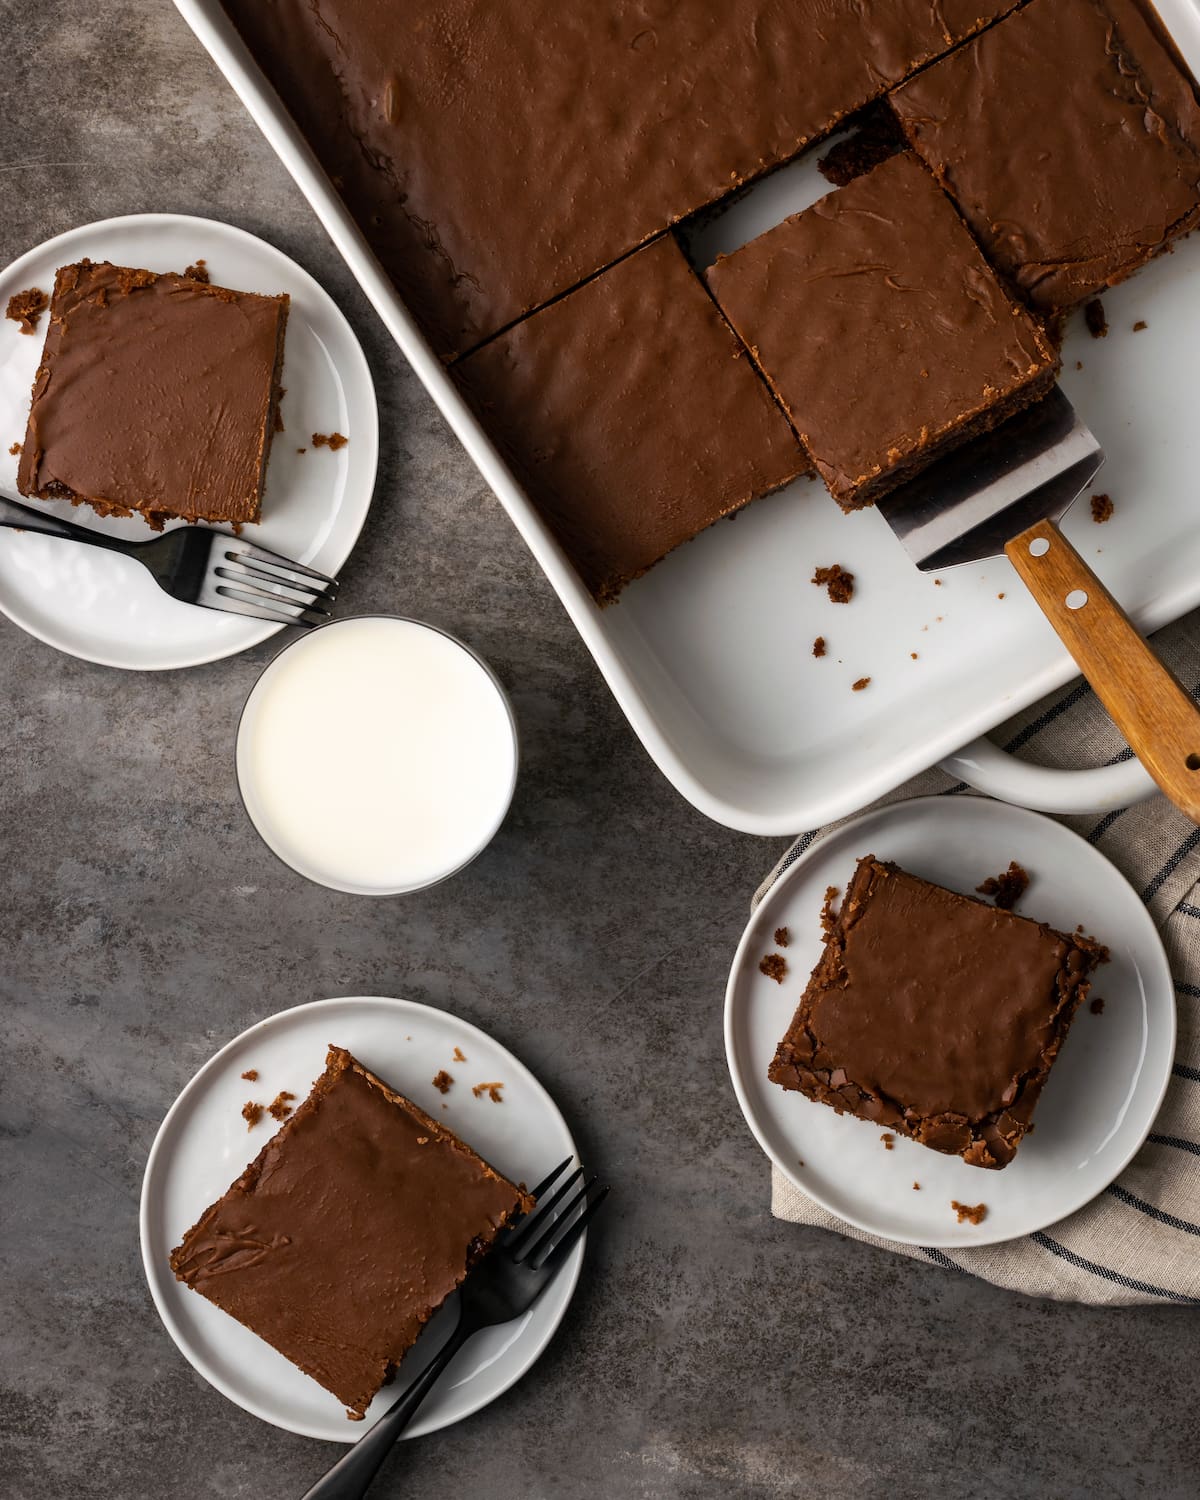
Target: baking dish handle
<point>989,769</point>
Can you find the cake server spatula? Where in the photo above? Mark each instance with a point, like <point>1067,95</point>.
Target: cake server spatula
<point>1006,492</point>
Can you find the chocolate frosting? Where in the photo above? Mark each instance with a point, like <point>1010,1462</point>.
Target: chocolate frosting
<point>1070,139</point>
<point>882,329</point>
<point>934,1014</point>
<point>155,393</point>
<point>632,416</point>
<point>496,152</point>
<point>347,1231</point>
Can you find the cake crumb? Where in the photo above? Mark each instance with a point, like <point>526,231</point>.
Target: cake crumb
<point>301,450</point>
<point>799,1161</point>
<point>1079,364</point>
<point>27,307</point>
<point>252,1113</point>
<point>442,1081</point>
<point>937,583</point>
<point>888,1139</point>
<point>1102,508</point>
<point>251,1075</point>
<point>492,1090</point>
<point>877,137</point>
<point>976,1213</point>
<point>15,449</point>
<point>914,656</point>
<point>857,687</point>
<point>459,1055</point>
<point>916,1187</point>
<point>1097,1006</point>
<point>1007,888</point>
<point>1093,316</point>
<point>999,596</point>
<point>819,646</point>
<point>782,937</point>
<point>774,966</point>
<point>331,440</point>
<point>132,279</point>
<point>279,1108</point>
<point>827,909</point>
<point>198,271</point>
<point>1139,325</point>
<point>837,581</point>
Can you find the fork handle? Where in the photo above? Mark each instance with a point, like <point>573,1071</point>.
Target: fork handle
<point>1147,703</point>
<point>351,1476</point>
<point>25,518</point>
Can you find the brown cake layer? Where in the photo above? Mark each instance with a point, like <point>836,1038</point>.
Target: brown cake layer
<point>155,394</point>
<point>1069,137</point>
<point>496,152</point>
<point>632,416</point>
<point>348,1230</point>
<point>934,1014</point>
<point>882,329</point>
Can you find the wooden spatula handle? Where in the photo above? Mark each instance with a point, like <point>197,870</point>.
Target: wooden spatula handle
<point>1147,703</point>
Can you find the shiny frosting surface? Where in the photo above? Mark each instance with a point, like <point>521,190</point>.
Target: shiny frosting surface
<point>347,1231</point>
<point>632,415</point>
<point>154,393</point>
<point>495,154</point>
<point>1070,139</point>
<point>880,326</point>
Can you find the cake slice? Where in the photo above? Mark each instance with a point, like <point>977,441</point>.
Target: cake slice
<point>885,334</point>
<point>933,1014</point>
<point>1069,137</point>
<point>156,395</point>
<point>632,416</point>
<point>348,1231</point>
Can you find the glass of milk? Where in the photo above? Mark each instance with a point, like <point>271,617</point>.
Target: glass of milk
<point>377,755</point>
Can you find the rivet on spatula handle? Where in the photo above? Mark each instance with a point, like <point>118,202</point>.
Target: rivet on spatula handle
<point>1147,702</point>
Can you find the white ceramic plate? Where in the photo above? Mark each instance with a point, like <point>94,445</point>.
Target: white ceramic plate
<point>1100,1099</point>
<point>709,655</point>
<point>203,1145</point>
<point>107,608</point>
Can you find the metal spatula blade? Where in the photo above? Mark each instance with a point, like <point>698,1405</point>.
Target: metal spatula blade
<point>1005,492</point>
<point>968,505</point>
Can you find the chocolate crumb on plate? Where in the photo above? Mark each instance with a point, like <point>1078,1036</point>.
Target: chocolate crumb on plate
<point>1007,888</point>
<point>1093,316</point>
<point>975,1213</point>
<point>279,1108</point>
<point>838,582</point>
<point>1097,1006</point>
<point>331,440</point>
<point>774,966</point>
<point>1140,325</point>
<point>782,937</point>
<point>27,307</point>
<point>1102,508</point>
<point>197,272</point>
<point>914,655</point>
<point>459,1055</point>
<point>916,1187</point>
<point>492,1090</point>
<point>819,646</point>
<point>251,1075</point>
<point>252,1113</point>
<point>857,687</point>
<point>888,1139</point>
<point>1079,364</point>
<point>301,450</point>
<point>442,1081</point>
<point>15,449</point>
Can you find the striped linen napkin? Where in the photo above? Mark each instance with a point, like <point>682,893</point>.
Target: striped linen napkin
<point>1139,1240</point>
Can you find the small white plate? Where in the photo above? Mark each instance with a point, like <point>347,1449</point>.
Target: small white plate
<point>203,1145</point>
<point>106,608</point>
<point>1100,1100</point>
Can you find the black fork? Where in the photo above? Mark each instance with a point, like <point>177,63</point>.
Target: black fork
<point>521,1265</point>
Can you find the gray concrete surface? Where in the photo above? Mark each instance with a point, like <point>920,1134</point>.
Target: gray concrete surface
<point>711,1352</point>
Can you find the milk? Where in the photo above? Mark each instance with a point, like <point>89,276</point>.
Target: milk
<point>376,755</point>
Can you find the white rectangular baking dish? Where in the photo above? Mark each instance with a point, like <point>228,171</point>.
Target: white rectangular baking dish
<point>710,655</point>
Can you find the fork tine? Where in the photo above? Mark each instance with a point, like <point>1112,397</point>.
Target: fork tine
<point>273,559</point>
<point>536,1193</point>
<point>327,588</point>
<point>240,602</point>
<point>286,593</point>
<point>509,1232</point>
<point>533,1223</point>
<point>540,1252</point>
<point>561,1248</point>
